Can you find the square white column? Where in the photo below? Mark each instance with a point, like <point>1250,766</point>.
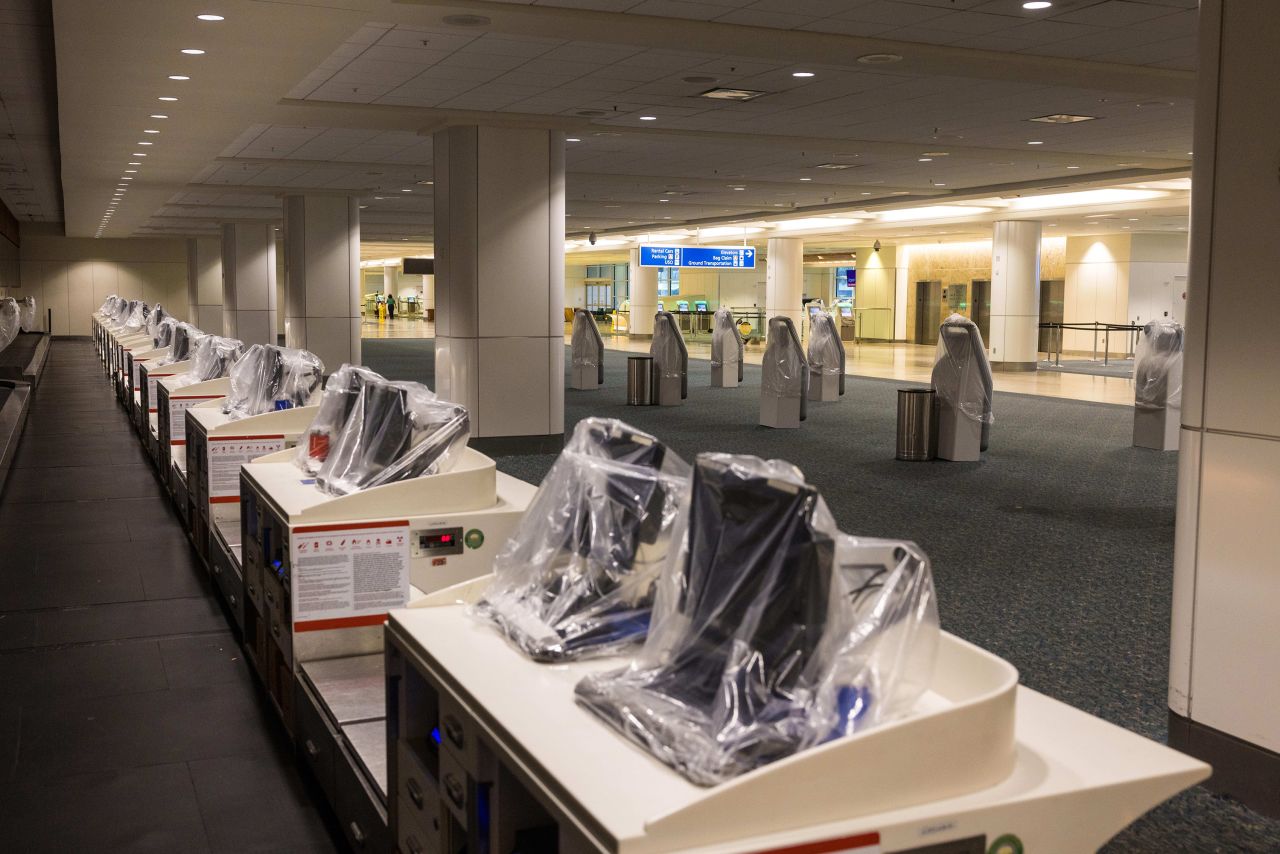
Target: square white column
<point>499,240</point>
<point>322,277</point>
<point>204,283</point>
<point>249,282</point>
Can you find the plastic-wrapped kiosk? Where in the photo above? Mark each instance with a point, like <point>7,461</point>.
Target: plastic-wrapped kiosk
<point>784,376</point>
<point>586,352</point>
<point>1157,381</point>
<point>726,350</point>
<point>826,357</point>
<point>670,361</point>
<point>962,378</point>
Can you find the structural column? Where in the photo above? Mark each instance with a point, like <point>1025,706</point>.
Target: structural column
<point>1224,681</point>
<point>322,277</point>
<point>784,280</point>
<point>204,283</point>
<point>1015,296</point>
<point>390,277</point>
<point>249,282</point>
<point>642,283</point>
<point>499,235</point>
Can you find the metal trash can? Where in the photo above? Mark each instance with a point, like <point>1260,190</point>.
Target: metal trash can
<point>916,424</point>
<point>640,380</point>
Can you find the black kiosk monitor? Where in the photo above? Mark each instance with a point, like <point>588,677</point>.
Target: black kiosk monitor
<point>682,305</point>
<point>700,305</point>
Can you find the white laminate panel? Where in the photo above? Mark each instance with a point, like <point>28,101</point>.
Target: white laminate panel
<point>514,386</point>
<point>555,375</point>
<point>1235,667</point>
<point>1184,571</point>
<point>330,339</point>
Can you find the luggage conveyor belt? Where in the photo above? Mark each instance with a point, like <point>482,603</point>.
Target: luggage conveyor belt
<point>24,360</point>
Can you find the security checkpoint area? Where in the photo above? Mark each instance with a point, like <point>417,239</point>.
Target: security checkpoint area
<point>477,427</point>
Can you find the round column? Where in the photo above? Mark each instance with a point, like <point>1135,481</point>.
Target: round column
<point>643,282</point>
<point>784,279</point>
<point>1015,295</point>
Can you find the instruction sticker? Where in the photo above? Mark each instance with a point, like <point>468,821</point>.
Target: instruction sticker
<point>226,455</point>
<point>344,577</point>
<point>152,379</point>
<point>177,416</point>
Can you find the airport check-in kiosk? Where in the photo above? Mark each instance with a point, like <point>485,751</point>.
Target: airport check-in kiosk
<point>843,310</point>
<point>726,351</point>
<point>670,361</point>
<point>586,352</point>
<point>1157,381</point>
<point>200,380</point>
<point>268,406</point>
<point>784,376</point>
<point>322,569</point>
<point>926,745</point>
<point>962,378</point>
<point>826,357</point>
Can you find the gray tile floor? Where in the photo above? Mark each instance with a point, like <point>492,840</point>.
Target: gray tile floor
<point>128,718</point>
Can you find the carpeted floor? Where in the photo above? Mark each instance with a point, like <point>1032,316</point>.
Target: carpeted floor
<point>1054,552</point>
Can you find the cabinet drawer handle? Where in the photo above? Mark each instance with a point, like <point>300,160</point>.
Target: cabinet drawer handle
<point>415,792</point>
<point>357,834</point>
<point>453,789</point>
<point>312,750</point>
<point>453,729</point>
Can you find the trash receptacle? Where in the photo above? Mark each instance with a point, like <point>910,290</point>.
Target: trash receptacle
<point>639,380</point>
<point>915,423</point>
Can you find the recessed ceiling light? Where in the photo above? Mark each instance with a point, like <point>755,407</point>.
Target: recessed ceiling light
<point>935,154</point>
<point>1036,5</point>
<point>1190,153</point>
<point>362,207</point>
<point>159,116</point>
<point>723,94</point>
<point>125,178</point>
<point>1133,219</point>
<point>145,143</point>
<point>1073,167</point>
<point>1062,119</point>
<point>802,74</point>
<point>192,51</point>
<point>179,77</point>
<point>648,118</point>
<point>1035,142</point>
<point>939,185</point>
<point>377,198</point>
<point>866,194</point>
<point>739,188</point>
<point>879,58</point>
<point>926,160</point>
<point>131,170</point>
<point>406,191</point>
<point>835,166</point>
<point>166,98</point>
<point>664,200</point>
<point>210,18</point>
<point>806,179</point>
<point>572,139</point>
<point>149,130</point>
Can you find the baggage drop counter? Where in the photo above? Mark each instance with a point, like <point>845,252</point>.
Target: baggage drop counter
<point>316,641</point>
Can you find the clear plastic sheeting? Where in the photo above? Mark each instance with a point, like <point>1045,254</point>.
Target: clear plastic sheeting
<point>396,431</point>
<point>577,578</point>
<point>9,321</point>
<point>341,391</point>
<point>108,307</point>
<point>183,343</point>
<point>772,631</point>
<point>784,372</point>
<point>268,378</point>
<point>27,314</point>
<point>211,359</point>
<point>670,355</point>
<point>586,346</point>
<point>158,315</point>
<point>826,353</point>
<point>1157,367</point>
<point>961,372</point>
<point>163,334</point>
<point>726,342</point>
<point>137,317</point>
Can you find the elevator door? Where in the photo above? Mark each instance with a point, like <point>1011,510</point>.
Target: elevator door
<point>928,311</point>
<point>1052,300</point>
<point>980,308</point>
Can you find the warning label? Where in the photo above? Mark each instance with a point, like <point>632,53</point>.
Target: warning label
<point>178,419</point>
<point>227,455</point>
<point>343,574</point>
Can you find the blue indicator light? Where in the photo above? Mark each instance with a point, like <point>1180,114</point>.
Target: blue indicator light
<point>435,734</point>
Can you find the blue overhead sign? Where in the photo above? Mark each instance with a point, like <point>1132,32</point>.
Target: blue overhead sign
<point>719,257</point>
